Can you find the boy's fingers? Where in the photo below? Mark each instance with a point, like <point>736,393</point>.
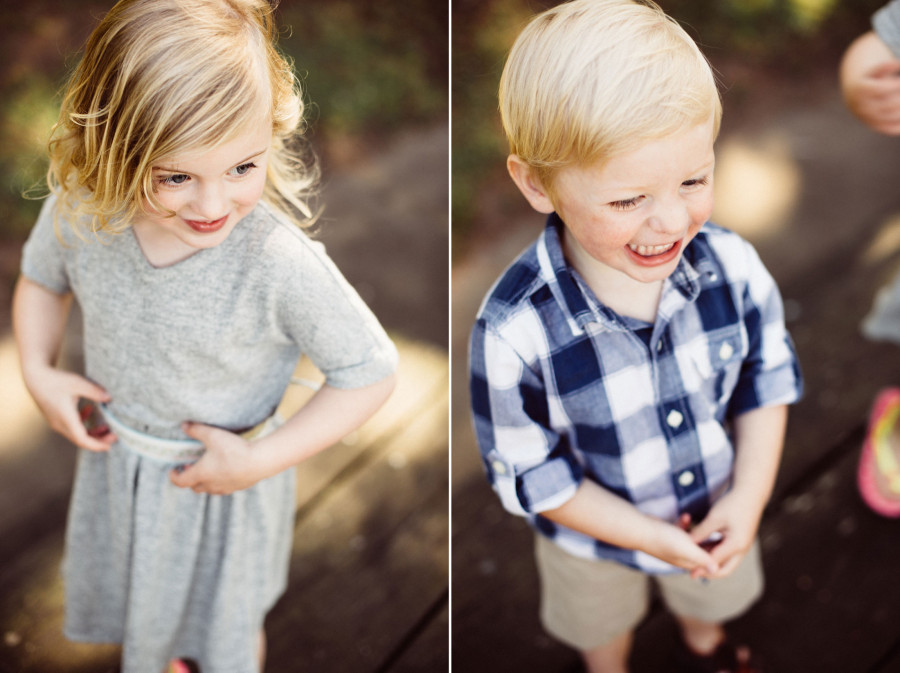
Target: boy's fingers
<point>727,567</point>
<point>705,568</point>
<point>703,530</point>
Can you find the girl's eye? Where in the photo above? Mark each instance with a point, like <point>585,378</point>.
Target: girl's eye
<point>626,204</point>
<point>174,179</point>
<point>243,169</point>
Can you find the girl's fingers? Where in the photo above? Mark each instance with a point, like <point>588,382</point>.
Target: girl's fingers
<point>90,390</point>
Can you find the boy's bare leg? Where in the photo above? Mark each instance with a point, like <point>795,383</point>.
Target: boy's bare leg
<point>609,658</point>
<point>701,637</point>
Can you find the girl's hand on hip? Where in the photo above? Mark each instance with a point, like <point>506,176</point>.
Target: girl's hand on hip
<point>56,393</point>
<point>227,466</point>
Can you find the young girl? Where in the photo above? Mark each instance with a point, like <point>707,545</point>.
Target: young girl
<point>175,178</point>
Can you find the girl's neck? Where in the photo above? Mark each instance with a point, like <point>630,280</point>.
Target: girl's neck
<point>158,249</point>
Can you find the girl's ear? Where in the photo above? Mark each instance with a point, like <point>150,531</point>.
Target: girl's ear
<point>527,182</point>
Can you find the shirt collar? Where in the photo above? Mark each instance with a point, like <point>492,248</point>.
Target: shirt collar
<point>581,307</point>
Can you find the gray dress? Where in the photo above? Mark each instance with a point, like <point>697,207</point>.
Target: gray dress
<point>215,338</point>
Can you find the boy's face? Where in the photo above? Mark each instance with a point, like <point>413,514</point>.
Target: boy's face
<point>636,213</point>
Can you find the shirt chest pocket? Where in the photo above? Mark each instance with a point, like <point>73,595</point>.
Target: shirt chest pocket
<point>711,365</point>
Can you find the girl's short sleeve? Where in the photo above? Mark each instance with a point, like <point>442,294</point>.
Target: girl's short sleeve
<point>332,324</point>
<point>43,256</point>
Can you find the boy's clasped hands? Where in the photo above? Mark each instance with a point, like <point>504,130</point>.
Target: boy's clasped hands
<point>713,547</point>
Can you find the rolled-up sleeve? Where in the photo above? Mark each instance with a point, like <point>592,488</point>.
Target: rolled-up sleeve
<point>528,464</point>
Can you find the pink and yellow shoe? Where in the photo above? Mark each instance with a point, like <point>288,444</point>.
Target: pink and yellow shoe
<point>878,476</point>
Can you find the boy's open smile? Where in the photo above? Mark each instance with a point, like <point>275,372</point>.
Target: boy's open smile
<point>654,255</point>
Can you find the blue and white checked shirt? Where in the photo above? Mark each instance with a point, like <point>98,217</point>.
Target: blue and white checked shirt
<point>565,389</point>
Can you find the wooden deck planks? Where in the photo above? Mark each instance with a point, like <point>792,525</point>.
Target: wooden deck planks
<point>370,559</point>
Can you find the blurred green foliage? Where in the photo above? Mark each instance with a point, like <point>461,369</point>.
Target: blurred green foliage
<point>368,69</point>
<point>773,39</point>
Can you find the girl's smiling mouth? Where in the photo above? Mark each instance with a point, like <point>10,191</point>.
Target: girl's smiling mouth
<point>207,227</point>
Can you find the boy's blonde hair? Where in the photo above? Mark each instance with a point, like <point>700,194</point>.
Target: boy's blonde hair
<point>590,79</point>
<point>165,77</point>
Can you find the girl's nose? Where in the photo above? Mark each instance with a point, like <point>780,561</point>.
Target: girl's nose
<point>210,202</point>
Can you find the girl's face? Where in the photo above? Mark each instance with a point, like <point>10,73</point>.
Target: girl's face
<point>209,192</point>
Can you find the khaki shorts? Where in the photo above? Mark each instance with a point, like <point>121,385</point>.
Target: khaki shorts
<point>588,603</point>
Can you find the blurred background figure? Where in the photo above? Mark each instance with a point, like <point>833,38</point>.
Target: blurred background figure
<point>870,80</point>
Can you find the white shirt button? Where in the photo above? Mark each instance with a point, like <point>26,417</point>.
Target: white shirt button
<point>499,467</point>
<point>726,351</point>
<point>674,419</point>
<point>659,346</point>
<point>686,478</point>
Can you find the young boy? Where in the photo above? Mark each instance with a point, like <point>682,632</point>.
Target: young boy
<point>630,371</point>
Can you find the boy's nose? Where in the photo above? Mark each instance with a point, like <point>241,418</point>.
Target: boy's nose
<point>671,218</point>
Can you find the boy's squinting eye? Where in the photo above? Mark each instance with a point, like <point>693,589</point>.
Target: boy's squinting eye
<point>696,182</point>
<point>626,204</point>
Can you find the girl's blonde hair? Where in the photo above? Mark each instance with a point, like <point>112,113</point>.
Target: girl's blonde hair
<point>165,77</point>
<point>589,79</point>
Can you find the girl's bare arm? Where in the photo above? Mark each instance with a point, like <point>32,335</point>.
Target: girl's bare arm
<point>39,323</point>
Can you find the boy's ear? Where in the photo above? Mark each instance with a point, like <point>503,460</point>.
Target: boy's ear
<point>527,182</point>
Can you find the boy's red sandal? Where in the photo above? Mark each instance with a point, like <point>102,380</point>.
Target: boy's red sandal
<point>878,458</point>
<point>726,658</point>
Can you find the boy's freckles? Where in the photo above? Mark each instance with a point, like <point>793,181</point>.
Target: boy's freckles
<point>637,212</point>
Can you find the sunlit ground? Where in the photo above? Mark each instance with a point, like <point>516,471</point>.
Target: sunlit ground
<point>757,186</point>
<point>19,416</point>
